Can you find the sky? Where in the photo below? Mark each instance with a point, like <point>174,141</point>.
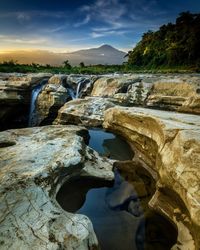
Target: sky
<point>63,25</point>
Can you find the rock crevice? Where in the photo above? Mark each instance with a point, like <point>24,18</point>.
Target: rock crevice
<point>170,144</point>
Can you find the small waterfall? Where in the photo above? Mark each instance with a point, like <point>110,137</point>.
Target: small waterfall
<point>79,87</point>
<point>34,95</point>
<point>71,93</point>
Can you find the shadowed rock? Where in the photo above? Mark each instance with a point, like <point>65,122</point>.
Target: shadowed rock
<point>170,144</point>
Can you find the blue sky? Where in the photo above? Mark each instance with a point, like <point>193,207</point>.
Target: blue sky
<point>70,25</point>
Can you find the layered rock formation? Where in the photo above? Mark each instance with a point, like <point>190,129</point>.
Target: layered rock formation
<point>88,112</point>
<point>52,97</point>
<point>171,92</point>
<point>59,90</point>
<point>109,86</point>
<point>35,162</point>
<point>15,95</point>
<point>169,143</point>
<point>180,95</point>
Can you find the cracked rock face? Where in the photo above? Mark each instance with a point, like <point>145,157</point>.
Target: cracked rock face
<point>176,94</point>
<point>169,143</point>
<point>87,112</point>
<point>35,162</point>
<point>108,86</point>
<point>167,92</point>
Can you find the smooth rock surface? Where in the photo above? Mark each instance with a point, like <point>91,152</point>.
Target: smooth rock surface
<point>169,143</point>
<point>87,112</point>
<point>35,162</point>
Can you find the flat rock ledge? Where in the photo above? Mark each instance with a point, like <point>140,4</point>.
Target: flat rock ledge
<point>34,163</point>
<point>87,112</point>
<point>170,145</point>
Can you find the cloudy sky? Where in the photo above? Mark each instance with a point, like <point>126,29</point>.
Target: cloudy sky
<point>63,25</point>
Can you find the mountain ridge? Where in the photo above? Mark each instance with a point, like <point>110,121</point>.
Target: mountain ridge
<point>104,54</point>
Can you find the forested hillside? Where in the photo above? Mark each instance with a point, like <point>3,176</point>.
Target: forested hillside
<point>172,45</point>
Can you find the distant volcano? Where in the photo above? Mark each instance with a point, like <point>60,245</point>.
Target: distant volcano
<point>104,54</point>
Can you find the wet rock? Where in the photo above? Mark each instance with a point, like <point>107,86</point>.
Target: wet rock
<point>32,171</point>
<point>170,144</point>
<point>52,97</point>
<point>82,85</point>
<point>15,95</point>
<point>87,112</point>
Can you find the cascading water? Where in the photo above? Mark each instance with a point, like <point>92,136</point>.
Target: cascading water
<point>79,87</point>
<point>80,83</point>
<point>32,114</point>
<point>71,93</point>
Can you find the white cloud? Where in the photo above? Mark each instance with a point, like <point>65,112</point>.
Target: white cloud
<point>107,11</point>
<point>83,22</point>
<point>18,40</point>
<point>107,33</point>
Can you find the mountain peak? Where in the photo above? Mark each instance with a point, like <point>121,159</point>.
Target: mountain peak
<point>106,46</point>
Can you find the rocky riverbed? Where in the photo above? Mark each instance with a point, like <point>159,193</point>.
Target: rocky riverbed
<point>36,162</point>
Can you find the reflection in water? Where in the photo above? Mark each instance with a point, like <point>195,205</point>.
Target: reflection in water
<point>120,219</point>
<point>107,208</point>
<point>110,145</point>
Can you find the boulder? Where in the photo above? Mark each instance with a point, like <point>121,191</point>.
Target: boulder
<point>58,79</point>
<point>169,143</point>
<point>35,163</point>
<point>52,97</point>
<point>109,86</point>
<point>87,112</point>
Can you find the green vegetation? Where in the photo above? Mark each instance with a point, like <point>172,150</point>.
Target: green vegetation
<point>10,66</point>
<point>172,46</point>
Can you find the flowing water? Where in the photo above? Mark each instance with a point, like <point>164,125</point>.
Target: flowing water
<point>79,87</point>
<point>114,209</point>
<point>34,95</point>
<point>71,93</point>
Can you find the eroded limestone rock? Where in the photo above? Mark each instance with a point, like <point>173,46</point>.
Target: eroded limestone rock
<point>87,112</point>
<point>35,162</point>
<point>170,144</point>
<point>108,86</point>
<point>177,94</point>
<point>168,92</point>
<point>52,97</point>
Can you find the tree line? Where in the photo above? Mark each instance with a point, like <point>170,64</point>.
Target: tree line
<point>172,45</point>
